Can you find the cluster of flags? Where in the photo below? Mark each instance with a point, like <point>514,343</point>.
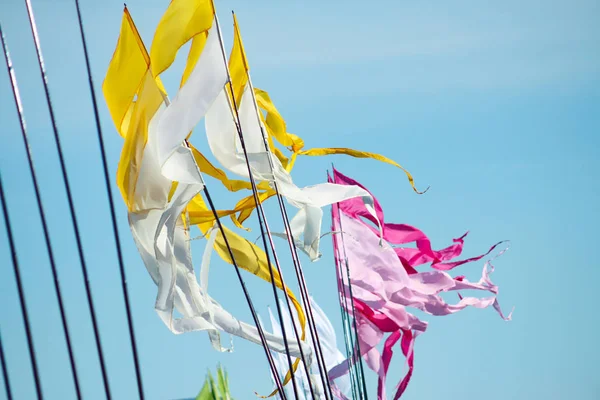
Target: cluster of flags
<point>160,178</point>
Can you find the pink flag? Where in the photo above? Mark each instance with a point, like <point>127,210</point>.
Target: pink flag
<point>384,283</point>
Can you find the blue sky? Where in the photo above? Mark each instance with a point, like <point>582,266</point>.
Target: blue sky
<point>493,105</point>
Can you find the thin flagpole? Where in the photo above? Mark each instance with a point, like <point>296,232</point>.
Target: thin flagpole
<point>69,197</point>
<point>237,269</point>
<point>360,369</point>
<point>348,338</point>
<point>7,388</point>
<point>356,364</point>
<point>15,262</point>
<point>305,299</point>
<point>357,353</point>
<point>260,222</point>
<point>343,303</point>
<point>298,269</point>
<point>138,373</point>
<point>294,327</point>
<point>238,273</point>
<point>302,285</point>
<point>57,289</point>
<point>248,299</point>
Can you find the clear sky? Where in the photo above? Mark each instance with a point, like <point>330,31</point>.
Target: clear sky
<point>494,105</point>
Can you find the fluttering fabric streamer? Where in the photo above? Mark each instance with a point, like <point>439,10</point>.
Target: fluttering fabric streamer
<point>398,234</point>
<point>203,82</point>
<point>187,20</point>
<point>384,283</point>
<point>147,173</point>
<point>183,21</point>
<point>331,354</point>
<point>276,128</point>
<point>222,134</point>
<point>159,174</point>
<point>191,103</point>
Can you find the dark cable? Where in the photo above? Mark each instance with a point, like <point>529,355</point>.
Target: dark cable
<point>262,229</point>
<point>297,267</point>
<point>248,299</point>
<point>69,196</point>
<point>7,388</point>
<point>358,356</point>
<point>15,262</point>
<point>18,103</point>
<point>111,203</point>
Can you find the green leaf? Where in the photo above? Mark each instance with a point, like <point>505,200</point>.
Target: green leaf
<point>218,390</point>
<point>205,393</point>
<point>223,386</point>
<point>213,387</point>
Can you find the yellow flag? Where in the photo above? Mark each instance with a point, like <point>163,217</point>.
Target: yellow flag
<point>275,124</point>
<point>129,76</point>
<point>238,64</point>
<point>239,72</point>
<point>120,93</point>
<point>125,73</point>
<point>182,21</point>
<point>195,50</point>
<point>150,97</point>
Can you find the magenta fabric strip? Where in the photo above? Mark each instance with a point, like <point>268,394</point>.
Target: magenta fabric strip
<point>397,234</point>
<point>385,283</point>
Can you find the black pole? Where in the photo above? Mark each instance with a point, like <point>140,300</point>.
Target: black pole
<point>138,373</point>
<point>287,299</point>
<point>296,261</point>
<point>360,369</point>
<point>304,294</point>
<point>248,299</point>
<point>7,388</point>
<point>15,262</point>
<point>18,103</point>
<point>299,274</point>
<point>262,229</point>
<point>343,303</point>
<point>261,221</point>
<point>88,291</point>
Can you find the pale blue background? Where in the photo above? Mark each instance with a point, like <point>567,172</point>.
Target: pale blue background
<point>495,106</point>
